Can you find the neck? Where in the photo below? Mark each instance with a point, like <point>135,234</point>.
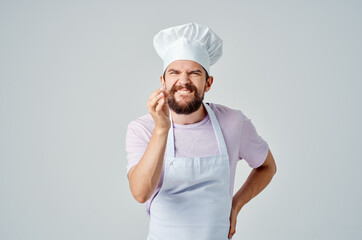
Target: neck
<point>184,119</point>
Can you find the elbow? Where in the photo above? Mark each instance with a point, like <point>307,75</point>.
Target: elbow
<point>270,163</point>
<point>270,170</point>
<point>140,197</point>
<point>274,169</point>
<point>139,192</point>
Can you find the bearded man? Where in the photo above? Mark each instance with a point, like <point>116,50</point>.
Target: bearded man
<point>182,156</point>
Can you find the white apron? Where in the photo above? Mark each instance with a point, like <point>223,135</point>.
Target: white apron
<point>194,200</point>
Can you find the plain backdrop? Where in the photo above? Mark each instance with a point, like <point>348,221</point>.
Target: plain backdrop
<point>73,74</point>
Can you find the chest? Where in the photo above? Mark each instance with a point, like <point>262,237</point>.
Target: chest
<point>196,142</point>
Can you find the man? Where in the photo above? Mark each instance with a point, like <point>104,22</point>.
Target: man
<point>182,155</point>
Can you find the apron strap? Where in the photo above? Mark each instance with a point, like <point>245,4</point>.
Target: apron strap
<point>217,130</point>
<point>170,148</point>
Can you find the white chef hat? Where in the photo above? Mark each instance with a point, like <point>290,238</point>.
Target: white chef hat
<point>190,41</point>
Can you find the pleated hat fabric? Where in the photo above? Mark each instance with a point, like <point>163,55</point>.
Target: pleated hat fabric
<point>190,41</point>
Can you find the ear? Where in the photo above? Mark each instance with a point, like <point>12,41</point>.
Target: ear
<point>162,82</point>
<point>208,84</point>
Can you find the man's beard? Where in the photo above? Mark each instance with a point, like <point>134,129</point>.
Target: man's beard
<point>189,107</point>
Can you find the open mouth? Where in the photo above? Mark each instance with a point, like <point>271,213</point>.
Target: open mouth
<point>184,91</point>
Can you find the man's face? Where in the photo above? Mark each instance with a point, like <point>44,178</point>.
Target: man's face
<point>186,84</point>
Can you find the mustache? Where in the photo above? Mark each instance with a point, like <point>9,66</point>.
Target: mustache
<point>188,86</point>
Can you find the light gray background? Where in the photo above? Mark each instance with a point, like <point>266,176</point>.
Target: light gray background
<point>73,74</point>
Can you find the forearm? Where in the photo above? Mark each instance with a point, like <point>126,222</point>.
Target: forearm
<point>145,176</point>
<point>258,179</point>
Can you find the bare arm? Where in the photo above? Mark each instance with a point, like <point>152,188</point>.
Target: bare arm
<point>145,176</point>
<point>258,179</point>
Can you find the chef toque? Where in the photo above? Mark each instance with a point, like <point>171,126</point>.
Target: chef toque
<point>190,41</point>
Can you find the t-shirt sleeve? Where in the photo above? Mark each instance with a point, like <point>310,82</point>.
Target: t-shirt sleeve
<point>137,139</point>
<point>253,148</point>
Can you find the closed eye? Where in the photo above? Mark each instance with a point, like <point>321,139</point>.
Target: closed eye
<point>196,72</point>
<point>173,71</point>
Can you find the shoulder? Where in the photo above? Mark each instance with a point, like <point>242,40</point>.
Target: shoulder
<point>142,125</point>
<point>231,120</point>
<point>225,113</point>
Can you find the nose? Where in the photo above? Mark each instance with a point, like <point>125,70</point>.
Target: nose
<point>184,78</point>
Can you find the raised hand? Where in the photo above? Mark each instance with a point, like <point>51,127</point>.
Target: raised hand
<point>158,108</point>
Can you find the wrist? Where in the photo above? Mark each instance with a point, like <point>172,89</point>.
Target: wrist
<point>237,204</point>
<point>161,130</point>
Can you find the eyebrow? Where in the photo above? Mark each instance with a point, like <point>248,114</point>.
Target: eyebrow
<point>172,70</point>
<point>193,71</point>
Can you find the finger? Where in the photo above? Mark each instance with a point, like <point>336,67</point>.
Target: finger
<point>165,92</point>
<point>232,228</point>
<point>231,233</point>
<point>160,105</point>
<point>155,93</point>
<point>153,102</point>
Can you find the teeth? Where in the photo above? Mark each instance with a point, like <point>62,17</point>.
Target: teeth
<point>183,91</point>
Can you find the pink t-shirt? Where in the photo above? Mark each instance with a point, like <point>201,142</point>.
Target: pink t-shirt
<point>198,140</point>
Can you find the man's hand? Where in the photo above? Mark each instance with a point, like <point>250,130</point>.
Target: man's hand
<point>158,108</point>
<point>233,217</point>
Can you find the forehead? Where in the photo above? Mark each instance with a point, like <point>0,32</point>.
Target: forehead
<point>185,65</point>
